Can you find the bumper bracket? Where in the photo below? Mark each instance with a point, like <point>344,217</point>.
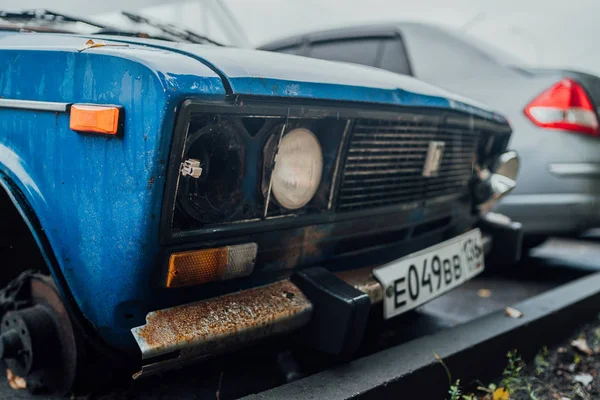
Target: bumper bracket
<point>340,312</point>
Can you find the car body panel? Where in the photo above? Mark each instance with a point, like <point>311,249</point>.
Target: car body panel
<point>98,199</point>
<point>92,194</point>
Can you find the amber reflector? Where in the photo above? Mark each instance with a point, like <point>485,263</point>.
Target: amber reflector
<point>94,118</point>
<point>209,265</point>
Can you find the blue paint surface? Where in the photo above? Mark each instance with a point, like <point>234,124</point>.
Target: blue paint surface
<point>98,199</point>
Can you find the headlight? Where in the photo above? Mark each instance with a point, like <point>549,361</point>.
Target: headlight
<point>298,169</point>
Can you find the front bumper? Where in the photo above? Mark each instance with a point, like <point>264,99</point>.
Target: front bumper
<point>179,335</point>
<point>174,336</point>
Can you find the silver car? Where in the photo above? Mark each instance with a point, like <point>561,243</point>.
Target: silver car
<point>553,112</point>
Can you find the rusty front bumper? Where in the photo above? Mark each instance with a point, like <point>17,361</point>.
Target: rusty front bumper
<point>178,335</point>
<point>175,336</point>
<point>193,331</point>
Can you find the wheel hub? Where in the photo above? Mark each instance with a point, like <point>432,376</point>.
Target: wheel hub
<point>37,341</point>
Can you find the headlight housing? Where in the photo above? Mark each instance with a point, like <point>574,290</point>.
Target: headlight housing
<point>233,151</point>
<point>298,169</point>
<point>217,194</point>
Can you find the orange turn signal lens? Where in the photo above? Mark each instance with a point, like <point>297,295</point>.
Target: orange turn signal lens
<point>209,265</point>
<point>95,118</point>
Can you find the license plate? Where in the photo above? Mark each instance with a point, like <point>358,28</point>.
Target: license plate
<point>415,279</point>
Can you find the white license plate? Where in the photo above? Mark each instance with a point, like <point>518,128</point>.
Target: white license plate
<point>417,278</point>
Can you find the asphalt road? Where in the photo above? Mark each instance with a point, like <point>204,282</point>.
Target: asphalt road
<point>556,262</point>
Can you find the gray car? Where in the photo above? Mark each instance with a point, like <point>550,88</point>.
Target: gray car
<point>553,112</point>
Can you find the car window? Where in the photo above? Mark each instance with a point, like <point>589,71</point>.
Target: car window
<point>358,51</point>
<point>394,57</point>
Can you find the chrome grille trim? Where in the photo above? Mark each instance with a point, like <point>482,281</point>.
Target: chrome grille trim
<point>384,164</point>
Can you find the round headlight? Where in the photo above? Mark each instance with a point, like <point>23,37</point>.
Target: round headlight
<point>298,169</point>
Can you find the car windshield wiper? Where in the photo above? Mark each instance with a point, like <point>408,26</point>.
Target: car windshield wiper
<point>45,16</point>
<point>171,30</point>
<point>41,17</point>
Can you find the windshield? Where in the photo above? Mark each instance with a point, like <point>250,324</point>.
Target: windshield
<point>207,18</point>
<point>44,20</point>
<point>195,21</point>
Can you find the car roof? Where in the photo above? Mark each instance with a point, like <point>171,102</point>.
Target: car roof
<point>392,29</point>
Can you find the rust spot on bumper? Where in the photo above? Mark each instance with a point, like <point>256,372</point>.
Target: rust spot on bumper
<point>363,280</point>
<point>215,325</point>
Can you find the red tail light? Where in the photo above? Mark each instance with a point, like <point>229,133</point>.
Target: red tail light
<point>564,106</point>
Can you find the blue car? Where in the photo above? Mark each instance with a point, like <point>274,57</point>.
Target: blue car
<point>167,201</point>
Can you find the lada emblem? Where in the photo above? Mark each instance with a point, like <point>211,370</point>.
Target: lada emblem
<point>433,161</point>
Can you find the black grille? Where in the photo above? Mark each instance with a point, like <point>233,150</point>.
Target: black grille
<point>385,159</point>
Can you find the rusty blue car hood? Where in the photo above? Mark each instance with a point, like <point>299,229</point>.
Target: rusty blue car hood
<point>247,72</point>
<point>261,73</point>
<point>253,72</point>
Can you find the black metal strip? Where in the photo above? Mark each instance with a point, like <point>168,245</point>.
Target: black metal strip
<point>272,167</point>
<point>336,170</point>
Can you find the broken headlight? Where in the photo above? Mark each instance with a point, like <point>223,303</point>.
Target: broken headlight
<point>210,188</point>
<point>227,171</point>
